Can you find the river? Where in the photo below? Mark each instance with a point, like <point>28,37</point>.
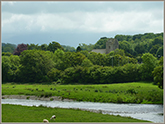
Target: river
<point>150,112</point>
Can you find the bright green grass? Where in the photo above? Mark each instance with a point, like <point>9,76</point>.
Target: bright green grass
<point>135,92</point>
<point>18,113</point>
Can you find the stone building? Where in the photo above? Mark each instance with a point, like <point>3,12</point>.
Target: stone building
<point>111,45</point>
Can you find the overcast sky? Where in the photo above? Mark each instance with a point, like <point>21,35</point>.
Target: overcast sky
<point>71,23</point>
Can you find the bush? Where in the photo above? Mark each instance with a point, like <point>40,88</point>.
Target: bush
<point>54,74</point>
<point>132,91</point>
<point>96,90</point>
<point>48,94</point>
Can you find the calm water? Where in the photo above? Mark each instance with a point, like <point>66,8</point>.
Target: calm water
<point>148,112</point>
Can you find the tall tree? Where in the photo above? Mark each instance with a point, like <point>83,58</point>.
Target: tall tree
<point>20,48</point>
<point>158,74</point>
<point>148,65</point>
<point>54,46</point>
<point>78,49</point>
<point>35,65</point>
<point>159,52</point>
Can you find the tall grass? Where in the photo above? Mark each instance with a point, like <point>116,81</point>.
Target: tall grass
<point>135,92</point>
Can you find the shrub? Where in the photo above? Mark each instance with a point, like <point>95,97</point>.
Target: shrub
<point>54,74</point>
<point>119,100</point>
<point>47,94</point>
<point>96,90</point>
<point>51,99</point>
<point>132,91</point>
<point>27,97</point>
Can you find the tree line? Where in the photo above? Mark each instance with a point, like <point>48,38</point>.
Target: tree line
<point>52,63</point>
<point>133,45</point>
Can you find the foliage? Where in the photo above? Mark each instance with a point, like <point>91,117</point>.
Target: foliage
<point>33,47</point>
<point>159,52</point>
<point>158,74</point>
<point>86,63</point>
<point>86,47</point>
<point>49,63</point>
<point>126,46</point>
<point>6,54</point>
<point>101,75</point>
<point>139,48</point>
<point>10,68</point>
<point>54,46</point>
<point>68,48</point>
<point>148,65</point>
<point>54,74</point>
<point>101,44</point>
<point>154,49</point>
<point>35,65</point>
<point>78,49</point>
<point>20,48</point>
<point>7,47</point>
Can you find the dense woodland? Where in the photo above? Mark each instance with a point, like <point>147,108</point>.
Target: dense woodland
<point>139,58</point>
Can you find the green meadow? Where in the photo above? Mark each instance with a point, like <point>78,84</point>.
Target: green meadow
<point>18,113</point>
<point>134,92</point>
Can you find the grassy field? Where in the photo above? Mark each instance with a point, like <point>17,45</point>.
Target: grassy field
<point>18,113</point>
<point>135,92</point>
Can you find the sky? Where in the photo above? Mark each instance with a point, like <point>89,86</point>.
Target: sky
<point>72,23</point>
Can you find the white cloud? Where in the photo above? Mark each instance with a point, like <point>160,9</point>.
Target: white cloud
<point>11,3</point>
<point>108,21</point>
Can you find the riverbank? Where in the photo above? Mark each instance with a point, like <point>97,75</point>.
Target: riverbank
<point>52,98</point>
<point>148,112</point>
<point>37,114</point>
<point>135,92</point>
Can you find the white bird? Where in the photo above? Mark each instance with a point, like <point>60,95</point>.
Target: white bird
<point>45,121</point>
<point>53,117</point>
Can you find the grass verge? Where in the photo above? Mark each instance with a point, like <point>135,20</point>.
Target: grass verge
<point>18,113</point>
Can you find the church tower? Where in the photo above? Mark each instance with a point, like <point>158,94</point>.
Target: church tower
<point>111,45</point>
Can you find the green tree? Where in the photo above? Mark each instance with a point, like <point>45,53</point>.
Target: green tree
<point>86,47</point>
<point>59,59</point>
<point>140,49</point>
<point>159,52</point>
<point>54,46</point>
<point>126,46</point>
<point>10,68</point>
<point>101,44</point>
<point>148,65</point>
<point>44,47</point>
<point>86,63</point>
<point>85,52</point>
<point>7,47</point>
<point>54,74</point>
<point>6,66</point>
<point>158,74</point>
<point>154,49</point>
<point>68,48</point>
<point>158,40</point>
<point>6,54</point>
<point>35,65</point>
<point>33,47</point>
<point>97,58</point>
<point>78,49</point>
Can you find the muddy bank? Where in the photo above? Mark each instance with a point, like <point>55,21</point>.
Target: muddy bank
<point>52,98</point>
